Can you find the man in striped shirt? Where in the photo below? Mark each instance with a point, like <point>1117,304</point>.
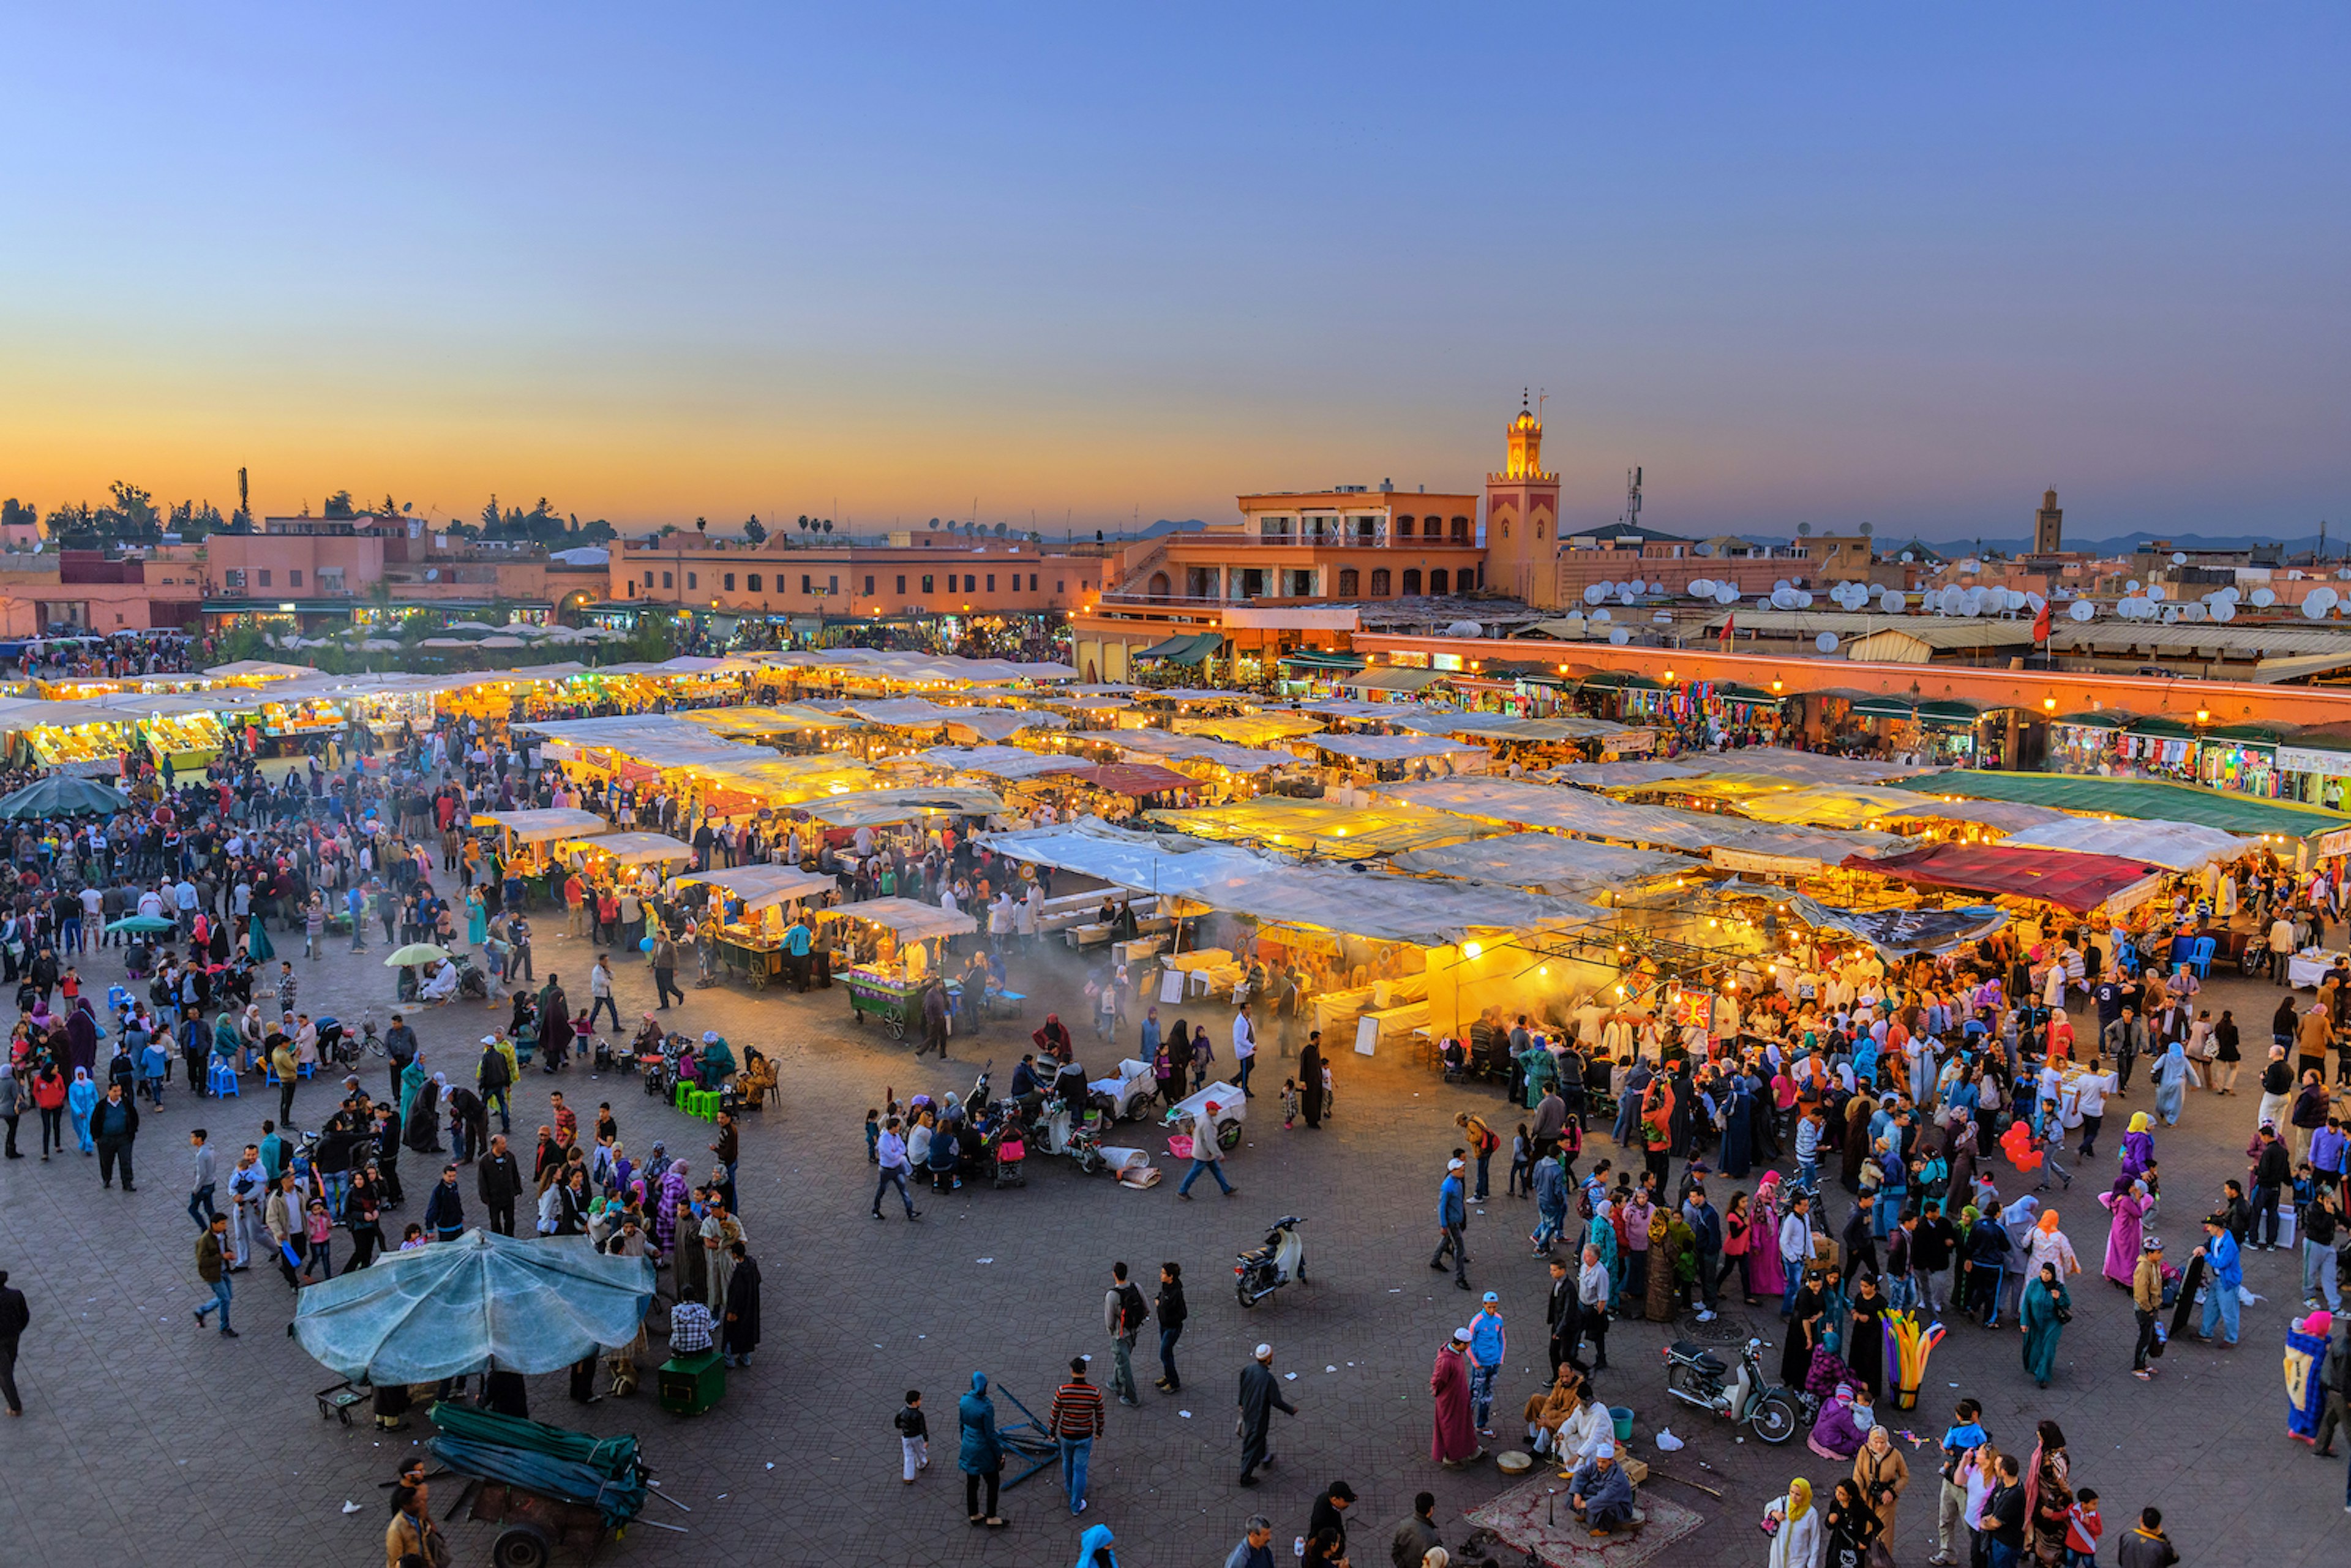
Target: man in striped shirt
<point>1076,1420</point>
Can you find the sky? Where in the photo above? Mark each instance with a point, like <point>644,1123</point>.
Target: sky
<point>1083,265</point>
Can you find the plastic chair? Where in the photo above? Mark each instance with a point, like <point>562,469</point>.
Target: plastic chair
<point>224,1082</point>
<point>2199,956</point>
<point>2129,956</point>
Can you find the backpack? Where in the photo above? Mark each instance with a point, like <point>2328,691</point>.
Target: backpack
<point>1132,1309</point>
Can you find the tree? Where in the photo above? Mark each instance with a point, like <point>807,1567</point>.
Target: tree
<point>491,517</point>
<point>667,530</point>
<point>702,526</point>
<point>755,530</point>
<point>339,505</point>
<point>69,517</point>
<point>828,525</point>
<point>389,510</point>
<point>652,640</point>
<point>1001,529</point>
<point>16,514</point>
<point>131,513</point>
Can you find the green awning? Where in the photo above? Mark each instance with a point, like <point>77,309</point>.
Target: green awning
<point>2163,728</point>
<point>1608,680</point>
<point>1732,691</point>
<point>1947,710</point>
<point>2143,799</point>
<point>1189,649</point>
<point>1312,659</point>
<point>2093,720</point>
<point>2248,734</point>
<point>1882,707</point>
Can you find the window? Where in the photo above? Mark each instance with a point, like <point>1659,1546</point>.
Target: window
<point>1461,530</point>
<point>1412,582</point>
<point>1539,528</point>
<point>868,584</point>
<point>1379,582</point>
<point>234,577</point>
<point>808,584</point>
<point>1506,528</point>
<point>729,582</point>
<point>668,581</point>
<point>649,579</point>
<point>330,579</point>
<point>1032,582</point>
<point>693,580</point>
<point>1348,581</point>
<point>832,583</point>
<point>927,582</point>
<point>902,584</point>
<point>265,577</point>
<point>1439,582</point>
<point>294,577</point>
<point>1059,586</point>
<point>991,582</point>
<point>753,582</point>
<point>1404,527</point>
<point>970,583</point>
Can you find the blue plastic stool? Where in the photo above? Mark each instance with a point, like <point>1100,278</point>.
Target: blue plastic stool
<point>224,1082</point>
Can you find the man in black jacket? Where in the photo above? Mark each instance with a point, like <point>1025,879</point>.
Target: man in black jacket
<point>500,1180</point>
<point>2273,1171</point>
<point>1565,1314</point>
<point>445,1211</point>
<point>114,1125</point>
<point>14,1316</point>
<point>2005,1511</point>
<point>495,1080</point>
<point>399,1046</point>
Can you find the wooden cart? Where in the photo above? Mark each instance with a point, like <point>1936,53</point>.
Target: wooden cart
<point>535,1526</point>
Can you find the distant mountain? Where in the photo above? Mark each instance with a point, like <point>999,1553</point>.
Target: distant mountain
<point>2117,544</point>
<point>1168,526</point>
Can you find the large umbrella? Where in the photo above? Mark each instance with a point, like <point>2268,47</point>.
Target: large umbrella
<point>257,946</point>
<point>64,794</point>
<point>416,953</point>
<point>528,1304</point>
<point>143,923</point>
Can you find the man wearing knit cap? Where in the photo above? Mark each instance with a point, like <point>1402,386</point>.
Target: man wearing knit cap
<point>1452,1219</point>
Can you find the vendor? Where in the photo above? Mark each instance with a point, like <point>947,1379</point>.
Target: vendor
<point>715,1062</point>
<point>440,982</point>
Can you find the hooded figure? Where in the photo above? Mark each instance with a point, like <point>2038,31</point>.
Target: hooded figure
<point>420,1113</point>
<point>1456,1438</point>
<point>81,1099</point>
<point>2128,1204</point>
<point>1093,1548</point>
<point>81,1036</point>
<point>979,1452</point>
<point>2138,1145</point>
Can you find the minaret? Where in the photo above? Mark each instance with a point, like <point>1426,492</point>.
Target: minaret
<point>2048,527</point>
<point>1522,518</point>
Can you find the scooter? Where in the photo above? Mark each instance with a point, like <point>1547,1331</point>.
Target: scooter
<point>1695,1375</point>
<point>1260,1271</point>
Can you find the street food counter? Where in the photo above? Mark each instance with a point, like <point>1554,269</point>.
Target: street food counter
<point>63,745</point>
<point>891,938</point>
<point>190,740</point>
<point>754,902</point>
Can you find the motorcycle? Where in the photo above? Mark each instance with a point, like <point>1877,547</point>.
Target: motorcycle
<point>1261,1270</point>
<point>1695,1375</point>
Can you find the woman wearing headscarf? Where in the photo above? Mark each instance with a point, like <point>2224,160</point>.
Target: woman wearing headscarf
<point>2047,1244</point>
<point>81,1036</point>
<point>2170,1078</point>
<point>2048,1494</point>
<point>1601,1235</point>
<point>1739,1129</point>
<point>673,1191</point>
<point>1093,1548</point>
<point>1766,1279</point>
<point>413,1080</point>
<point>1851,1527</point>
<point>2047,1305</point>
<point>81,1099</point>
<point>2017,1222</point>
<point>979,1452</point>
<point>2128,1202</point>
<point>1880,1473</point>
<point>1796,1539</point>
<point>1864,1346</point>
<point>422,1115</point>
<point>227,1039</point>
<point>1310,1084</point>
<point>2138,1145</point>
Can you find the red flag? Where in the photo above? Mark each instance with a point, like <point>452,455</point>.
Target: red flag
<point>1729,623</point>
<point>2040,625</point>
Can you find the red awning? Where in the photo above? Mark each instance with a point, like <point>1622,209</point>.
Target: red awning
<point>2055,876</point>
<point>1136,779</point>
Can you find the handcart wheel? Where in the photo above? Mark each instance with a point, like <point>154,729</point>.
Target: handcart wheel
<point>897,1022</point>
<point>520,1546</point>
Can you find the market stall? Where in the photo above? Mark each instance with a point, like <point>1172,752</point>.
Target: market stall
<point>753,917</point>
<point>891,943</point>
<point>528,839</point>
<point>2079,882</point>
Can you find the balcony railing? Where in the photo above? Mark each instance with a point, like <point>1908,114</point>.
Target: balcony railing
<point>1317,541</point>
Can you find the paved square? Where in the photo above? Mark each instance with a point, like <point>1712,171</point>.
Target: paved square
<point>148,1442</point>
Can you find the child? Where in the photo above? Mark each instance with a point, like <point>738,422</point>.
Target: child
<point>154,1063</point>
<point>1330,1094</point>
<point>2047,1146</point>
<point>2082,1530</point>
<point>913,1434</point>
<point>321,1234</point>
<point>1521,1182</point>
<point>873,1137</point>
<point>1289,1104</point>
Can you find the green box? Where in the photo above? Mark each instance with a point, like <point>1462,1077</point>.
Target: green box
<point>690,1384</point>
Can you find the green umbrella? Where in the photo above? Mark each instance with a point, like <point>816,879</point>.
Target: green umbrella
<point>143,922</point>
<point>416,953</point>
<point>64,794</point>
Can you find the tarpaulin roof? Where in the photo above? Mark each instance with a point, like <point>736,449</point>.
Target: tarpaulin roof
<point>659,740</point>
<point>761,885</point>
<point>634,849</point>
<point>2153,799</point>
<point>902,712</point>
<point>1188,648</point>
<point>538,827</point>
<point>1351,902</point>
<point>1325,826</point>
<point>1510,726</point>
<point>2176,846</point>
<point>531,1304</point>
<point>998,724</point>
<point>1251,729</point>
<point>1544,863</point>
<point>1136,779</point>
<point>1135,743</point>
<point>1895,932</point>
<point>791,719</point>
<point>911,921</point>
<point>1829,805</point>
<point>1394,747</point>
<point>879,807</point>
<point>1782,762</point>
<point>1394,678</point>
<point>2075,882</point>
<point>1002,761</point>
<point>2005,816</point>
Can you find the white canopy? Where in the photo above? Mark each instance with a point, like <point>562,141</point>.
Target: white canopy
<point>634,849</point>
<point>881,807</point>
<point>761,885</point>
<point>544,826</point>
<point>1394,747</point>
<point>1543,863</point>
<point>2175,846</point>
<point>913,921</point>
<point>1162,745</point>
<point>1008,762</point>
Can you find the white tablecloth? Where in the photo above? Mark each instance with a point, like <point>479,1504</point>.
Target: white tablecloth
<point>2309,968</point>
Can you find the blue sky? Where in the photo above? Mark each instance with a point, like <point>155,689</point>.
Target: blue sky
<point>1829,263</point>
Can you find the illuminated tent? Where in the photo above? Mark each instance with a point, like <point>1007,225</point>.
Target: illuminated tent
<point>1323,828</point>
<point>2075,882</point>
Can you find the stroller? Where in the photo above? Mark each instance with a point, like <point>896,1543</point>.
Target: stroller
<point>1007,1151</point>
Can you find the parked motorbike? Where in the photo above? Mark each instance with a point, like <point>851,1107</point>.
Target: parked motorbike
<point>1695,1375</point>
<point>1261,1270</point>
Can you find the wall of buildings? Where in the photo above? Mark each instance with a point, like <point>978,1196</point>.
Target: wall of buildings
<point>998,578</point>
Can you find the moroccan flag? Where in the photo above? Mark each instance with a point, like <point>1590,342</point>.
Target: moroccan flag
<point>2040,625</point>
<point>1730,623</point>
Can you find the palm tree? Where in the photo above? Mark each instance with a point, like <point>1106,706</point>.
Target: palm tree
<point>702,526</point>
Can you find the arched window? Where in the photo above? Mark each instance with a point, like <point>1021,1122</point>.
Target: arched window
<point>1404,527</point>
<point>1159,585</point>
<point>1539,528</point>
<point>1439,582</point>
<point>1461,530</point>
<point>1348,581</point>
<point>1412,582</point>
<point>1506,528</point>
<point>1379,582</point>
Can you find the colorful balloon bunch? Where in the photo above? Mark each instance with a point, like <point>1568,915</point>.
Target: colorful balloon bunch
<point>1907,1344</point>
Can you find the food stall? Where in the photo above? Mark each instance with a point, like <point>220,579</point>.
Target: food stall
<point>190,739</point>
<point>626,857</point>
<point>528,839</point>
<point>753,902</point>
<point>889,938</point>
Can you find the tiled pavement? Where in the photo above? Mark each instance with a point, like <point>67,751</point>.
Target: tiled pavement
<point>148,1442</point>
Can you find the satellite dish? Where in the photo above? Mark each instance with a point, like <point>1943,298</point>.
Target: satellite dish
<point>2194,612</point>
<point>1825,641</point>
<point>1727,594</point>
<point>2156,591</point>
<point>2035,603</point>
<point>1619,636</point>
<point>2132,586</point>
<point>2018,601</point>
<point>2172,615</point>
<point>1663,617</point>
<point>1782,598</point>
<point>1600,615</point>
<point>1702,587</point>
<point>1781,586</point>
<point>432,574</point>
<point>1655,587</point>
<point>2342,574</point>
<point>2312,609</point>
<point>2263,598</point>
<point>2326,598</point>
<point>2083,611</point>
<point>1594,592</point>
<point>1907,558</point>
<point>2178,559</point>
<point>1804,600</point>
<point>2224,612</point>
